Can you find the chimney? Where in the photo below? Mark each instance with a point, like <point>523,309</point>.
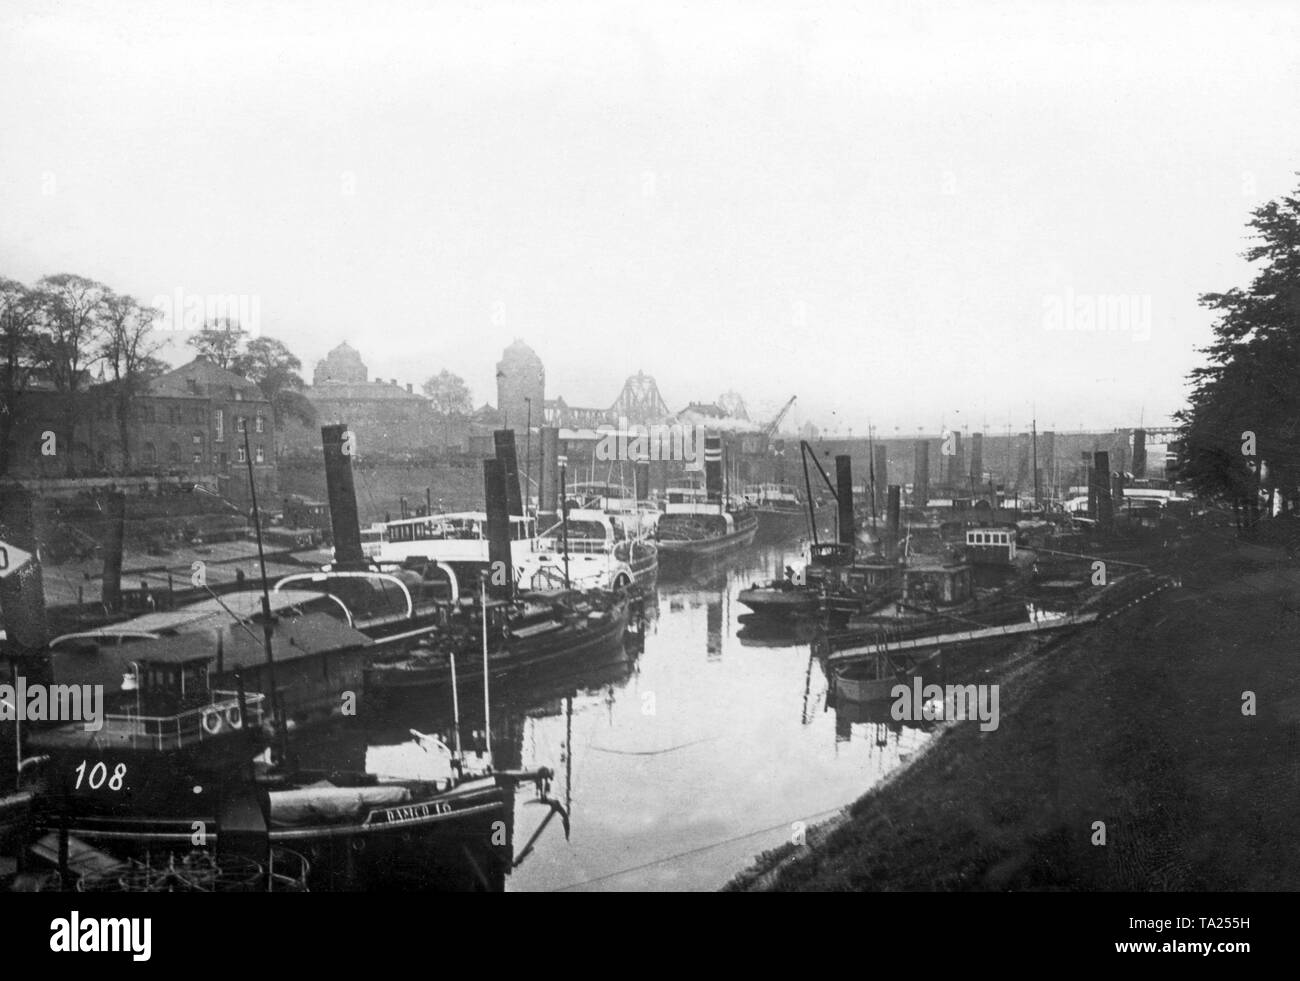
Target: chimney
<point>977,456</point>
<point>1139,453</point>
<point>505,450</point>
<point>500,566</point>
<point>713,468</point>
<point>112,588</point>
<point>548,488</point>
<point>892,520</point>
<point>921,476</point>
<point>844,495</point>
<point>393,382</point>
<point>22,593</point>
<point>410,388</point>
<point>882,476</point>
<point>344,520</point>
<point>1102,489</point>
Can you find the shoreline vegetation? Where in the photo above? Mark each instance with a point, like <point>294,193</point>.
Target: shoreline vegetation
<point>1141,723</point>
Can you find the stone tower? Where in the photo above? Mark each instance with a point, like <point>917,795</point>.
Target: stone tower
<point>520,376</point>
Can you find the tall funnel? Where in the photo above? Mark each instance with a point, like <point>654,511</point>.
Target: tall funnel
<point>114,543</point>
<point>505,447</point>
<point>548,488</point>
<point>892,520</point>
<point>345,522</point>
<point>713,468</point>
<point>501,573</point>
<point>844,493</point>
<point>921,474</point>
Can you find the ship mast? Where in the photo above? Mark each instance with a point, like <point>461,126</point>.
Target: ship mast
<point>276,709</point>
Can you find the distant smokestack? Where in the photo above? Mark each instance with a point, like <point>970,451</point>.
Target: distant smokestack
<point>921,481</point>
<point>713,468</point>
<point>844,492</point>
<point>505,447</point>
<point>113,544</point>
<point>500,576</point>
<point>882,476</point>
<point>22,593</point>
<point>892,520</point>
<point>342,493</point>
<point>548,490</point>
<point>1139,453</point>
<point>1101,483</point>
<point>977,457</point>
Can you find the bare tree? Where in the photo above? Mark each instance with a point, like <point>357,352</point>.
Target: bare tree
<point>128,347</point>
<point>20,322</point>
<point>72,307</point>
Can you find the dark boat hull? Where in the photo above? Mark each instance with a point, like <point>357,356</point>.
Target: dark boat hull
<point>527,655</point>
<point>779,524</point>
<point>676,556</point>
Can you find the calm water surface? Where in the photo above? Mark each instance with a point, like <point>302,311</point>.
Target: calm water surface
<point>682,757</point>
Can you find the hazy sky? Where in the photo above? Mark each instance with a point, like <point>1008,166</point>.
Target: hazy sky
<point>883,210</point>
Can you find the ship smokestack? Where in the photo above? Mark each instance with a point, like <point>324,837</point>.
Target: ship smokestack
<point>844,493</point>
<point>713,468</point>
<point>882,476</point>
<point>505,447</point>
<point>500,567</point>
<point>548,490</point>
<point>22,593</point>
<point>1139,453</point>
<point>921,482</point>
<point>1101,489</point>
<point>892,520</point>
<point>113,545</point>
<point>345,522</point>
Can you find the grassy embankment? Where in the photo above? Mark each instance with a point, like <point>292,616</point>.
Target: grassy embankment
<point>1138,724</point>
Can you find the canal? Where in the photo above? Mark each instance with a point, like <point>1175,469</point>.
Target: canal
<point>698,746</point>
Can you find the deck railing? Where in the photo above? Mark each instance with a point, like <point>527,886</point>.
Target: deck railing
<point>217,718</point>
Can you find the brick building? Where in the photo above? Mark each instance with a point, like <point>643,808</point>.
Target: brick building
<point>188,421</point>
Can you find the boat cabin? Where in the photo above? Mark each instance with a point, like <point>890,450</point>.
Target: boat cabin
<point>992,545</point>
<point>941,585</point>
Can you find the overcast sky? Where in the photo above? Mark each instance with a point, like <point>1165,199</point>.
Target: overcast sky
<point>884,210</point>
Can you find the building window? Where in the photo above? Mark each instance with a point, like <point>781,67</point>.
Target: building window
<point>241,424</point>
<point>223,460</point>
<point>260,456</point>
<point>198,457</point>
<point>240,454</point>
<point>260,423</point>
<point>219,420</point>
<point>150,454</point>
<point>174,452</point>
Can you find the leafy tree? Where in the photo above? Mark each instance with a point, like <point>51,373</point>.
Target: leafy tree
<point>1241,431</point>
<point>128,347</point>
<point>275,369</point>
<point>450,397</point>
<point>72,308</point>
<point>20,325</point>
<point>219,341</point>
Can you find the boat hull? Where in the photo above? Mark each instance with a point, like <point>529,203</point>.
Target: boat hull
<point>678,555</point>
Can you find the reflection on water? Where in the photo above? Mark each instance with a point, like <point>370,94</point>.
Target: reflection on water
<point>681,756</point>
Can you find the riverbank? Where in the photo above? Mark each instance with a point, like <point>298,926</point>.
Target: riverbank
<point>1138,724</point>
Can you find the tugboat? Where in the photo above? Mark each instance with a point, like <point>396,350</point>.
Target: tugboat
<point>699,522</point>
<point>835,583</point>
<point>779,509</point>
<point>175,767</point>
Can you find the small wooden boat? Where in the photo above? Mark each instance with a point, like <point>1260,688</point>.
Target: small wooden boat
<point>875,677</point>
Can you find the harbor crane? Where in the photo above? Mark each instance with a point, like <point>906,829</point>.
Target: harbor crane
<point>770,429</point>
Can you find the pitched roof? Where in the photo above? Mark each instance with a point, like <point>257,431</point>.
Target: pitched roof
<point>201,378</point>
